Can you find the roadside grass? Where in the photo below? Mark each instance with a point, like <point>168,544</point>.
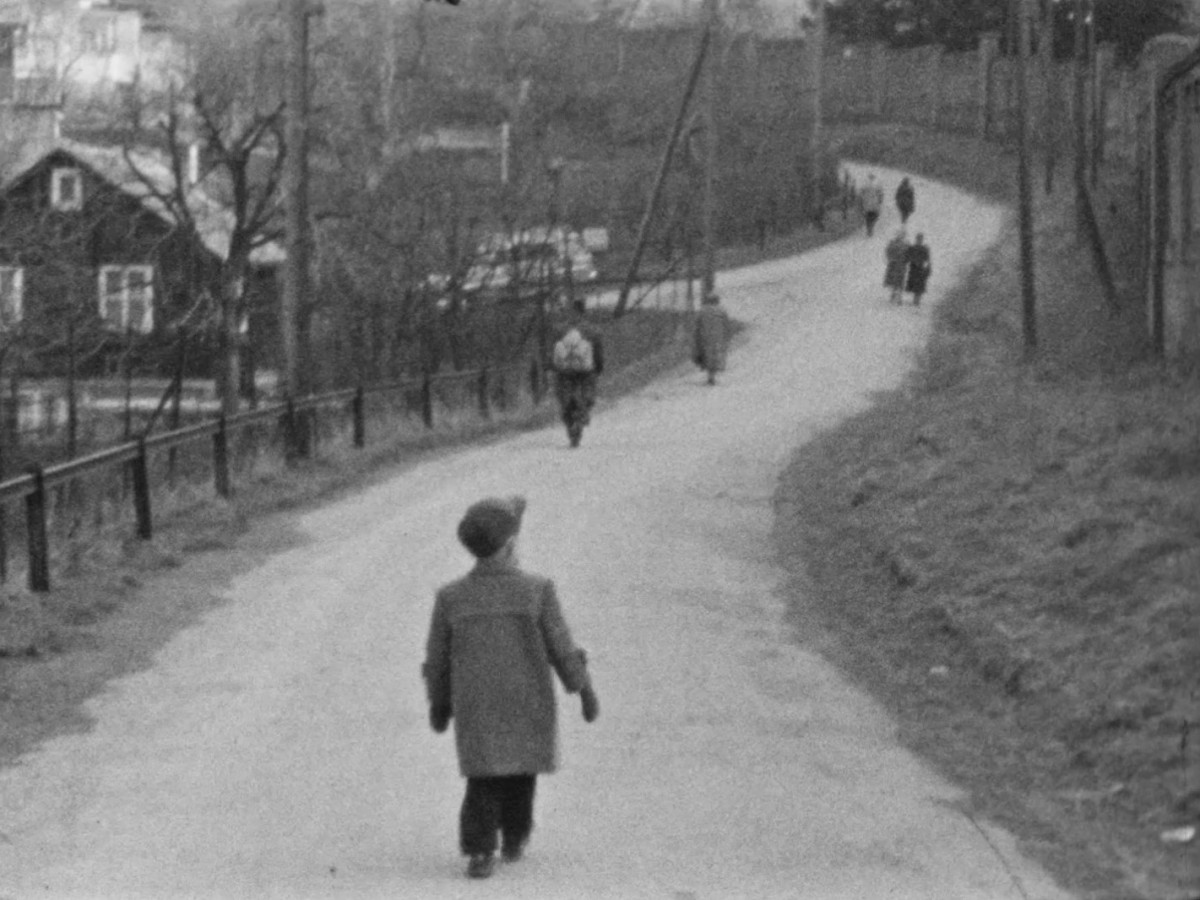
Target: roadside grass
<point>1008,554</point>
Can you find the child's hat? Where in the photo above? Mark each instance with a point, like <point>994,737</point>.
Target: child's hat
<point>486,525</point>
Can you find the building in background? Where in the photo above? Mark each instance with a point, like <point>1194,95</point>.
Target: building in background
<point>88,51</point>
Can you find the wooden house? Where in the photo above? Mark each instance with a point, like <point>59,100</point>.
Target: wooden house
<point>96,269</point>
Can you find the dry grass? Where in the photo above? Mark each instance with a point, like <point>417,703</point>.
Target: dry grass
<point>1035,530</point>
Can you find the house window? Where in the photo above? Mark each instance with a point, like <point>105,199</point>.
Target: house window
<point>127,297</point>
<point>66,189</point>
<point>12,295</point>
<point>99,36</point>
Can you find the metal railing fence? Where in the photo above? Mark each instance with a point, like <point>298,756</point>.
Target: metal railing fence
<point>131,473</point>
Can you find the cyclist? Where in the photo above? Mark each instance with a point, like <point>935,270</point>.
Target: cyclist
<point>577,360</point>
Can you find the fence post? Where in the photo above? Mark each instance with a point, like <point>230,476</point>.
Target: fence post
<point>35,526</point>
<point>141,491</point>
<point>221,457</point>
<point>296,435</point>
<point>360,425</point>
<point>989,45</point>
<point>535,382</point>
<point>484,410</point>
<point>427,401</point>
<point>934,83</point>
<point>878,75</point>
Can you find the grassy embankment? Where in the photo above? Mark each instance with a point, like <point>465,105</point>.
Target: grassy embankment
<point>1008,553</point>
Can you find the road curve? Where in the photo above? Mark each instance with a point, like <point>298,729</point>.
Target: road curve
<point>279,748</point>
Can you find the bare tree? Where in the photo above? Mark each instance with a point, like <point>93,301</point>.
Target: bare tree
<point>221,134</point>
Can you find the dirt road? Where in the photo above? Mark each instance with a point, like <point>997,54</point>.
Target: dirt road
<point>280,748</point>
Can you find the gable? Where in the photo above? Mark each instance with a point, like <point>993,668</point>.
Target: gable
<point>144,177</point>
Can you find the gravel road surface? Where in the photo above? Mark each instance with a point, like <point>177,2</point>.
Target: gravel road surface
<point>280,749</point>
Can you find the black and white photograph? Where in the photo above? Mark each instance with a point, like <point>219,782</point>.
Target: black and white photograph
<point>600,449</point>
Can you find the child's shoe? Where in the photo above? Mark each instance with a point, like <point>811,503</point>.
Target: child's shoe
<point>512,854</point>
<point>480,866</point>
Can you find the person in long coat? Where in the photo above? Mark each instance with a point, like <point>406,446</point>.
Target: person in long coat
<point>870,200</point>
<point>496,636</point>
<point>920,265</point>
<point>896,257</point>
<point>711,337</point>
<point>906,200</point>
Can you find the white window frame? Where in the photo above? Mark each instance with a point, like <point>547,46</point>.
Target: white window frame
<point>12,295</point>
<point>124,297</point>
<point>58,175</point>
<point>98,35</point>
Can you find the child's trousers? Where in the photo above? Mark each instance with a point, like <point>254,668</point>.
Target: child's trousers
<point>502,803</point>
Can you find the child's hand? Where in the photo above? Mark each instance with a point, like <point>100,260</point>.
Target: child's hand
<point>591,703</point>
<point>439,718</point>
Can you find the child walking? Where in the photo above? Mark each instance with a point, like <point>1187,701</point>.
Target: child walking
<point>496,635</point>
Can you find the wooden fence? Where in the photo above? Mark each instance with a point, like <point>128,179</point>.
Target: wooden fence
<point>483,389</point>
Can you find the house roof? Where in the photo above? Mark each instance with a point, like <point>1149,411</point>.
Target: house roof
<point>146,176</point>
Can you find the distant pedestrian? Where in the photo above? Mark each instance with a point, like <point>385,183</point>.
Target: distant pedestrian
<point>495,636</point>
<point>896,258</point>
<point>577,360</point>
<point>920,265</point>
<point>906,201</point>
<point>871,201</point>
<point>712,337</point>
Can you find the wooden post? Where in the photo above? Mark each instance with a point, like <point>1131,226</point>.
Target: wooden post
<point>1050,102</point>
<point>1079,109</point>
<point>878,79</point>
<point>141,491</point>
<point>712,22</point>
<point>427,401</point>
<point>1092,85</point>
<point>1103,66</point>
<point>1159,177</point>
<point>934,82</point>
<point>4,438</point>
<point>485,411</point>
<point>988,47</point>
<point>221,458</point>
<point>817,136</point>
<point>291,429</point>
<point>357,410</point>
<point>39,540</point>
<point>535,382</point>
<point>660,179</point>
<point>1024,182</point>
<point>296,285</point>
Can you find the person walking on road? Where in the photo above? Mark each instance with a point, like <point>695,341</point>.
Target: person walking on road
<point>577,360</point>
<point>896,259</point>
<point>711,337</point>
<point>871,201</point>
<point>906,201</point>
<point>496,635</point>
<point>920,265</point>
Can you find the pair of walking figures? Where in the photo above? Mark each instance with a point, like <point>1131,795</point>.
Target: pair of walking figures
<point>908,267</point>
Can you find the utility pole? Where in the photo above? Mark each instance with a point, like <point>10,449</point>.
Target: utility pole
<point>712,23</point>
<point>296,282</point>
<point>639,246</point>
<point>1050,94</point>
<point>1080,110</point>
<point>815,155</point>
<point>1025,181</point>
<point>1093,97</point>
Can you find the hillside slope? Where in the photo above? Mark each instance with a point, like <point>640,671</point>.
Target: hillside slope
<point>1009,555</point>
